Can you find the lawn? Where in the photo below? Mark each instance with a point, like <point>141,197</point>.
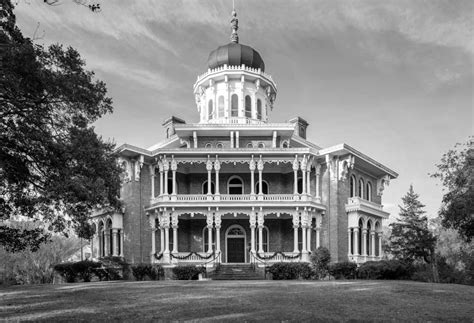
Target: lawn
<point>240,301</point>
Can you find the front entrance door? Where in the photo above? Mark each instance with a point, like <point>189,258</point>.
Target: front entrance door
<point>235,244</point>
<point>235,250</point>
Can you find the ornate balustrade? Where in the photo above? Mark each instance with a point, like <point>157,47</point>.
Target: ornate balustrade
<point>231,198</point>
<point>356,204</point>
<point>361,259</point>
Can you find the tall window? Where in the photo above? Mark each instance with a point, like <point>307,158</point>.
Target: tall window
<point>220,108</point>
<point>170,185</point>
<point>264,187</point>
<point>300,185</point>
<point>259,109</point>
<point>361,188</point>
<point>205,187</point>
<point>235,185</point>
<point>248,107</point>
<point>210,110</point>
<point>353,186</point>
<point>234,109</point>
<point>368,191</point>
<point>265,238</point>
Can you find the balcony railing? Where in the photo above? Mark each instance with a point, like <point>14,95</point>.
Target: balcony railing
<point>234,198</point>
<point>355,204</point>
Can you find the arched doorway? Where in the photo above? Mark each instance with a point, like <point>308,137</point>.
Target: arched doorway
<point>235,242</point>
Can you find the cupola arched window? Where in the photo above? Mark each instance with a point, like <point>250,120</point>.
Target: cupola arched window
<point>234,106</point>
<point>368,191</point>
<point>220,107</point>
<point>210,110</point>
<point>361,188</point>
<point>259,109</point>
<point>235,185</point>
<point>248,107</point>
<point>353,186</point>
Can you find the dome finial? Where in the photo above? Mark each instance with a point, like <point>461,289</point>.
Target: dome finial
<point>234,23</point>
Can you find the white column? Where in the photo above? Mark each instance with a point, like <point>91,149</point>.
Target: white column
<point>209,176</point>
<point>91,243</point>
<point>115,252</point>
<point>253,222</point>
<point>318,241</point>
<point>217,167</point>
<point>166,227</point>
<point>304,226</point>
<point>295,171</point>
<point>304,163</point>
<point>173,169</point>
<point>121,243</point>
<point>349,239</point>
<point>260,232</point>
<point>252,176</point>
<point>174,223</point>
<point>106,242</point>
<point>166,167</point>
<point>317,174</point>
<point>209,222</point>
<point>356,241</point>
<point>153,242</point>
<point>308,181</point>
<point>160,167</point>
<point>296,222</point>
<point>260,170</point>
<point>231,139</point>
<point>372,245</point>
<point>308,236</point>
<point>152,179</point>
<point>162,239</point>
<point>237,139</point>
<point>364,242</point>
<point>218,222</point>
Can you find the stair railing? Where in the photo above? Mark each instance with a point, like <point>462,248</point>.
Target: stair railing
<point>214,260</point>
<point>254,260</point>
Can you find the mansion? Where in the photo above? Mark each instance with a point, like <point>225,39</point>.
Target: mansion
<point>237,188</point>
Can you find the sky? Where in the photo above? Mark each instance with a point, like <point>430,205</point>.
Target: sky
<point>392,78</point>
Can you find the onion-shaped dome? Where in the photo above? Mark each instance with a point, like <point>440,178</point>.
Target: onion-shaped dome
<point>235,54</point>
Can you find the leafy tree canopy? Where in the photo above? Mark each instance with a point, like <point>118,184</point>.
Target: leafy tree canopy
<point>53,166</point>
<point>411,240</point>
<point>456,172</point>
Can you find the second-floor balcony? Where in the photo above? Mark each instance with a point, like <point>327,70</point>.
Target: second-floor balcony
<point>357,204</point>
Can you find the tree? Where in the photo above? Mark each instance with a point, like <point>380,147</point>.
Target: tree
<point>411,240</point>
<point>54,168</point>
<point>456,172</point>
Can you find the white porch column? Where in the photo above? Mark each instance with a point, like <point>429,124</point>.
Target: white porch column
<point>295,171</point>
<point>106,242</point>
<point>209,176</point>
<point>304,162</point>
<point>160,167</point>
<point>318,238</point>
<point>349,239</point>
<point>252,176</point>
<point>121,243</point>
<point>253,222</point>
<point>304,226</point>
<point>166,227</point>
<point>231,139</point>
<point>166,167</point>
<point>237,140</point>
<point>152,179</point>
<point>92,244</point>
<point>364,242</point>
<point>152,220</point>
<point>209,221</point>
<point>308,235</point>
<point>218,223</point>
<point>260,170</point>
<point>308,181</point>
<point>260,231</point>
<point>174,167</point>
<point>162,233</point>
<point>174,223</point>
<point>356,241</point>
<point>380,244</point>
<point>296,222</point>
<point>217,167</point>
<point>317,174</point>
<point>114,242</point>
<point>372,245</point>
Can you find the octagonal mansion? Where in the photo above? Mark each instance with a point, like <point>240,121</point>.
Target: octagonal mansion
<point>237,188</point>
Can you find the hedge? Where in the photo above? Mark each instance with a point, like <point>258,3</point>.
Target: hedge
<point>291,270</point>
<point>343,270</point>
<point>71,271</point>
<point>188,272</point>
<point>384,269</point>
<point>153,272</point>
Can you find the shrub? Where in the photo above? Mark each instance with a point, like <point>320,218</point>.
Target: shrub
<point>291,270</point>
<point>153,272</point>
<point>188,272</point>
<point>384,269</point>
<point>71,271</point>
<point>343,270</point>
<point>320,260</point>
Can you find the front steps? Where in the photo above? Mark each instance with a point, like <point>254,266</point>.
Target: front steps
<point>236,272</point>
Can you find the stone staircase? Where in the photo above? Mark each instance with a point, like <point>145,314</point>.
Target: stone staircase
<point>236,272</point>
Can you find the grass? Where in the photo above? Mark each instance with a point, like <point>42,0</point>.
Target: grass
<point>240,301</point>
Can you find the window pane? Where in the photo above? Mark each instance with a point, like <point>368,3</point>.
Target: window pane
<point>234,105</point>
<point>248,107</point>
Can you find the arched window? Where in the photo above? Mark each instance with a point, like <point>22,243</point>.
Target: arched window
<point>234,109</point>
<point>205,188</point>
<point>210,110</point>
<point>208,145</point>
<point>261,145</point>
<point>368,191</point>
<point>205,239</point>
<point>353,186</point>
<point>265,239</point>
<point>264,187</point>
<point>368,238</point>
<point>285,144</point>
<point>361,188</point>
<point>220,107</point>
<point>300,185</point>
<point>219,145</point>
<point>259,109</point>
<point>249,145</point>
<point>248,106</point>
<point>359,237</point>
<point>108,225</point>
<point>235,185</point>
<point>170,186</point>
